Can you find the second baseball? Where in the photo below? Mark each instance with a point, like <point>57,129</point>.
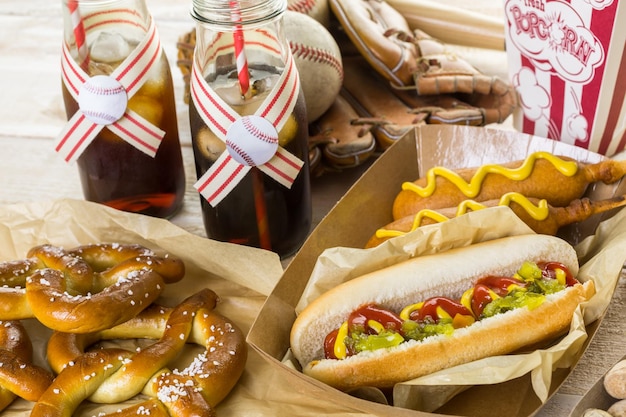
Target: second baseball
<point>317,9</point>
<point>318,59</point>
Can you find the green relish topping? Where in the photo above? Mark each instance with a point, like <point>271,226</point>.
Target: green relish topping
<point>420,331</point>
<point>529,271</point>
<point>514,300</point>
<point>544,286</point>
<point>385,339</point>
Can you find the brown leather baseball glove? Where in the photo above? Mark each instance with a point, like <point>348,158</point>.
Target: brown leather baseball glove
<point>418,67</point>
<point>185,45</point>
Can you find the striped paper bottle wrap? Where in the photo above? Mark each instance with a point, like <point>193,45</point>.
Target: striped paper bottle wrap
<point>103,99</point>
<point>567,62</point>
<point>243,134</point>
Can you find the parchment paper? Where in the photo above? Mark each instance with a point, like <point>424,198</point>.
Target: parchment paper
<point>602,254</point>
<point>241,276</point>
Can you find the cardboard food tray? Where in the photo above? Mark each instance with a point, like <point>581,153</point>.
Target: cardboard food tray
<point>367,206</point>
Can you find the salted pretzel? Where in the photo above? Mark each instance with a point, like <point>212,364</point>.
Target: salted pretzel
<point>112,375</point>
<point>19,377</point>
<point>85,289</point>
<point>13,275</point>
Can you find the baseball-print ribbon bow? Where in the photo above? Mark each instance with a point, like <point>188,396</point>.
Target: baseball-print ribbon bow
<point>229,169</point>
<point>123,83</point>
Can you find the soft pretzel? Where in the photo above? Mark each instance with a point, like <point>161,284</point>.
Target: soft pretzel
<point>85,289</point>
<point>19,377</point>
<point>13,274</point>
<point>115,375</point>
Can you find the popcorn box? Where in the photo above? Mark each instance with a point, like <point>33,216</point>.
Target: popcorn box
<point>566,60</point>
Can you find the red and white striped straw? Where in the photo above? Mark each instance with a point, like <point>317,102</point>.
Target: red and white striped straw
<point>79,34</point>
<point>240,55</point>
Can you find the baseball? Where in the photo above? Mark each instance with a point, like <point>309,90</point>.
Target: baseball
<point>102,99</point>
<point>317,9</point>
<point>252,140</point>
<point>318,59</point>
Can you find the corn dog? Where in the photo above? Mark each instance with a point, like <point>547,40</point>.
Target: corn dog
<point>536,213</point>
<point>541,175</point>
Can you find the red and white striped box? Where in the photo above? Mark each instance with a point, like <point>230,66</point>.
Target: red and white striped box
<point>567,62</point>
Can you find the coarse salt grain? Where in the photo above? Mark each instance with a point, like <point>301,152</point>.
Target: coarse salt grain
<point>143,411</point>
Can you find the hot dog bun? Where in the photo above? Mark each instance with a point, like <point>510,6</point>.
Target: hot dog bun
<point>448,273</point>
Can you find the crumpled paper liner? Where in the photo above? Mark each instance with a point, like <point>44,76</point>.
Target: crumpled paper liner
<point>602,257</point>
<point>241,276</point>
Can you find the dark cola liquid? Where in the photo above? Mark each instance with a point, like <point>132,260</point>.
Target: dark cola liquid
<point>115,173</point>
<point>259,212</point>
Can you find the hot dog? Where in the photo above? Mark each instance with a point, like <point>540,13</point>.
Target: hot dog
<point>541,175</point>
<point>385,341</point>
<point>536,213</point>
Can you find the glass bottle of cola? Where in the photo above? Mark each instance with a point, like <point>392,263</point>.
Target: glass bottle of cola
<point>134,162</point>
<point>243,78</point>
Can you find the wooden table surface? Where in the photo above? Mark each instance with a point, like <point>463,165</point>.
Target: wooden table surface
<point>31,115</point>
